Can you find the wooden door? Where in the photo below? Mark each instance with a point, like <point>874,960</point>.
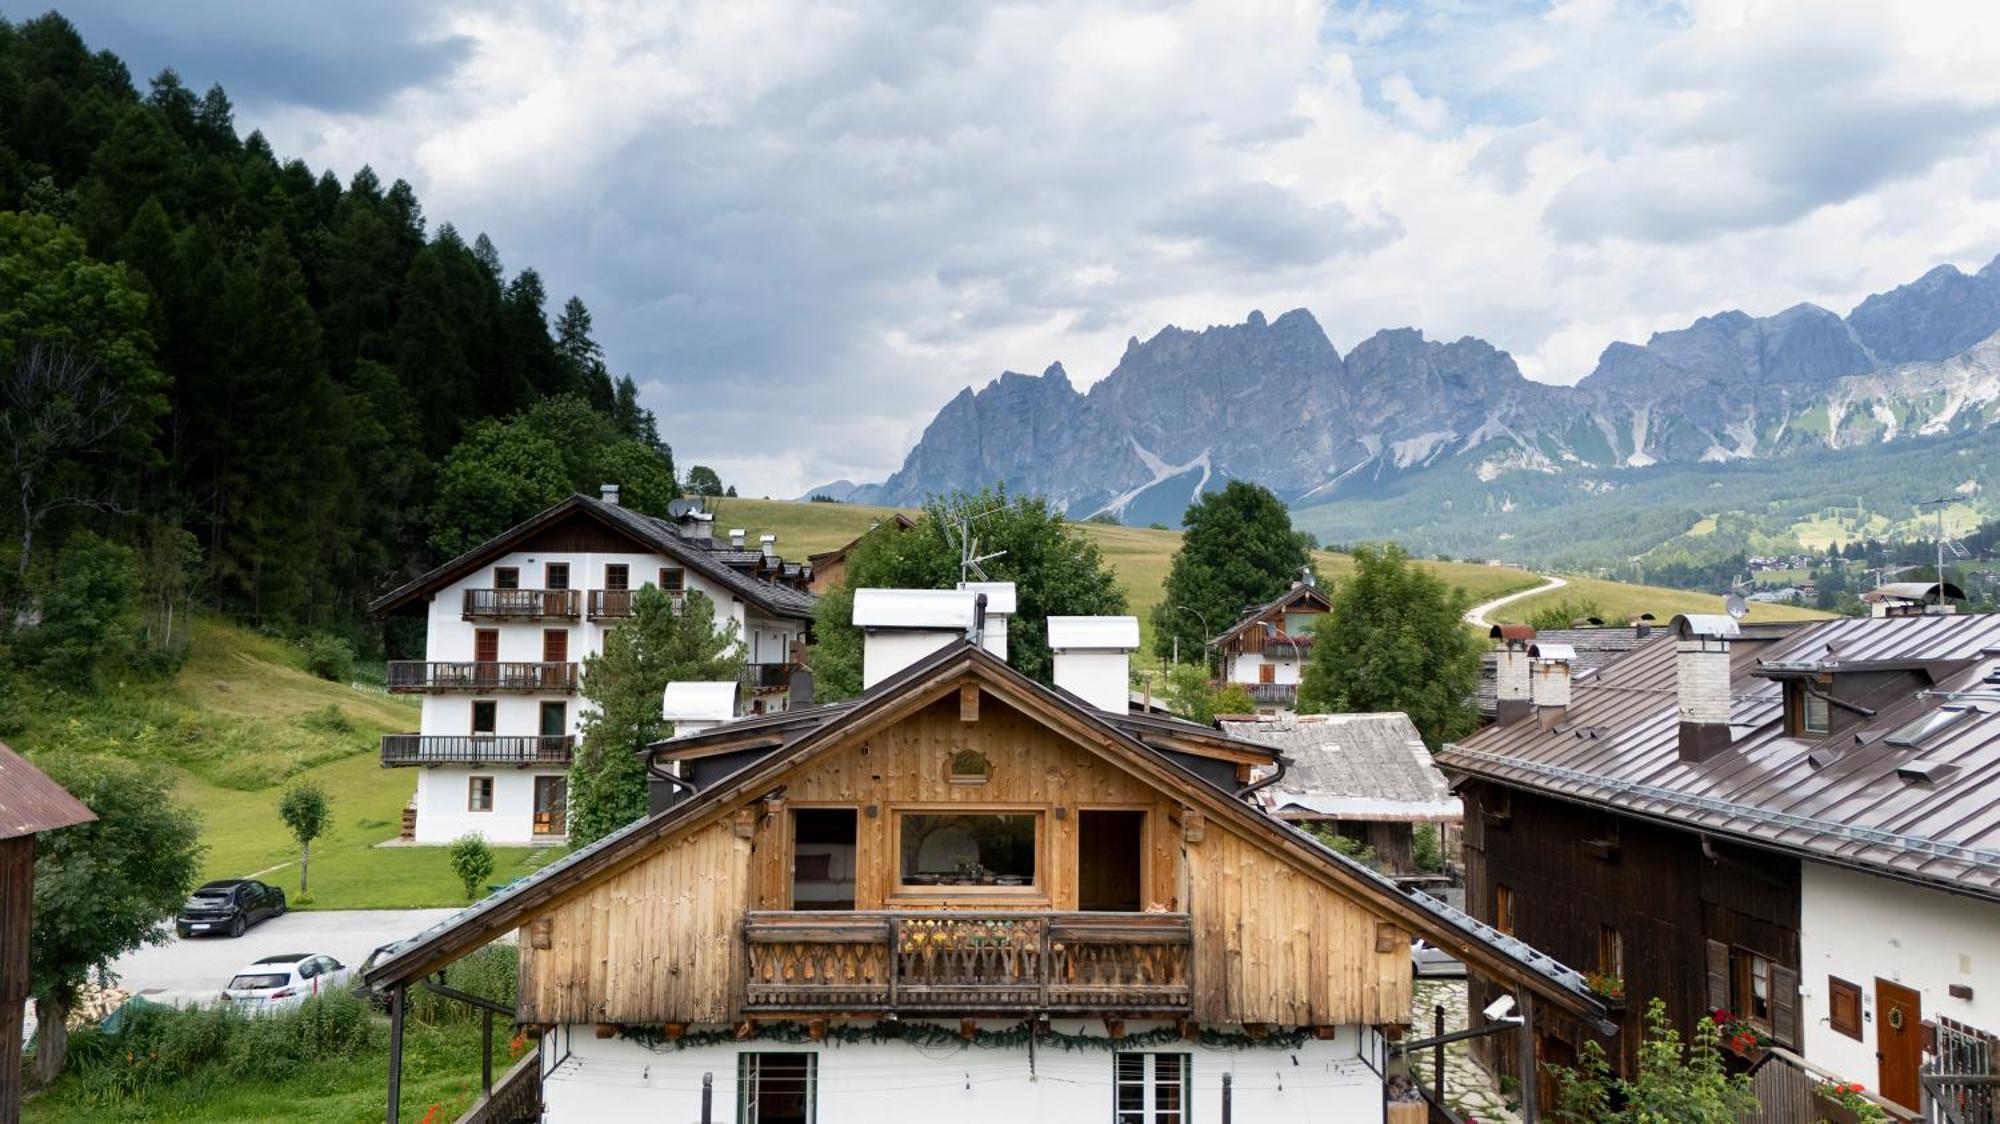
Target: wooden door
<point>551,805</point>
<point>486,645</point>
<point>555,645</point>
<point>1899,1040</point>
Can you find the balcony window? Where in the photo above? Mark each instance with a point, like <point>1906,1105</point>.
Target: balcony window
<point>777,1088</point>
<point>976,851</point>
<point>485,717</point>
<point>506,577</point>
<point>555,575</point>
<point>618,576</point>
<point>1151,1088</point>
<point>673,579</point>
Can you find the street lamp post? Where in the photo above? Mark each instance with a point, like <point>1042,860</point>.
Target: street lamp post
<point>1206,634</point>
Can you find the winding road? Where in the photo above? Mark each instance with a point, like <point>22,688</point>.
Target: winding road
<point>1476,616</point>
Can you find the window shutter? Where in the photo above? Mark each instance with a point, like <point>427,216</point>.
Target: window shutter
<point>1718,977</point>
<point>1785,1005</point>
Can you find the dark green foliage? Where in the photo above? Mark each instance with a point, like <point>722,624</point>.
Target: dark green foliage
<point>662,643</point>
<point>88,614</point>
<point>489,972</point>
<point>103,888</point>
<point>1565,613</point>
<point>1685,1084</point>
<point>703,481</point>
<point>1056,570</point>
<point>1193,697</point>
<point>472,861</point>
<point>329,657</point>
<point>1395,641</point>
<point>1239,550</point>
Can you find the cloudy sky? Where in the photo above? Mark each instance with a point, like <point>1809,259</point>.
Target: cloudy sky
<point>802,228</point>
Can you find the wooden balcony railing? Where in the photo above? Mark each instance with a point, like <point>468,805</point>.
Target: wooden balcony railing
<point>1283,693</point>
<point>407,676</point>
<point>610,604</point>
<point>520,604</point>
<point>767,675</point>
<point>476,749</point>
<point>968,962</point>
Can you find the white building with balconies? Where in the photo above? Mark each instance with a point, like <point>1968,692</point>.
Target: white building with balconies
<point>508,625</point>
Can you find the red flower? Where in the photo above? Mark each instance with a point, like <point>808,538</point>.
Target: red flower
<point>1722,1015</point>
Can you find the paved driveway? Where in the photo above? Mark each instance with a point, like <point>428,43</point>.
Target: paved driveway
<point>195,968</point>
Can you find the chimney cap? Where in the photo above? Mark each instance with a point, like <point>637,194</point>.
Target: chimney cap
<point>923,609</point>
<point>1705,626</point>
<point>1565,653</point>
<point>608,493</point>
<point>698,701</point>
<point>767,537</point>
<point>1000,597</point>
<point>1094,633</point>
<point>1512,632</point>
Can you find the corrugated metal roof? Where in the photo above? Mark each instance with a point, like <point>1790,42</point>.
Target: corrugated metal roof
<point>1593,647</point>
<point>1351,766</point>
<point>1838,799</point>
<point>31,803</point>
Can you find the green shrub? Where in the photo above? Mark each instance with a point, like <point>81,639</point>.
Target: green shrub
<point>472,861</point>
<point>328,719</point>
<point>156,1045</point>
<point>1427,849</point>
<point>489,973</point>
<point>329,657</point>
<point>1563,614</point>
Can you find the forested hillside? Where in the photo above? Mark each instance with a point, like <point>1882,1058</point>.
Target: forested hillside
<point>235,381</point>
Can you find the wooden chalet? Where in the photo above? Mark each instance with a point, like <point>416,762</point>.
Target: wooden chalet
<point>1266,650</point>
<point>30,803</point>
<point>1791,823</point>
<point>828,568</point>
<point>849,896</point>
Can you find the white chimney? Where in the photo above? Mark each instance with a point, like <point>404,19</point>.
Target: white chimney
<point>901,626</point>
<point>1701,682</point>
<point>736,537</point>
<point>1093,659</point>
<point>608,493</point>
<point>696,706</point>
<point>768,543</point>
<point>1511,694</point>
<point>1549,676</point>
<point>1001,603</point>
<point>700,526</point>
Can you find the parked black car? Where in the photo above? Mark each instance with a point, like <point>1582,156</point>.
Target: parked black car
<point>229,906</point>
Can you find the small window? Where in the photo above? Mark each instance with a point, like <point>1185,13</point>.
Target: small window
<point>673,579</point>
<point>1150,1088</point>
<point>1913,734</point>
<point>777,1088</point>
<point>959,851</point>
<point>1750,986</point>
<point>555,575</point>
<point>506,577</point>
<point>618,576</point>
<point>1267,673</point>
<point>1815,715</point>
<point>479,794</point>
<point>1503,909</point>
<point>555,645</point>
<point>485,716</point>
<point>1843,1007</point>
<point>969,766</point>
<point>1610,952</point>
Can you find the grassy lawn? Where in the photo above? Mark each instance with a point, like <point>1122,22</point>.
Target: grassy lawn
<point>1618,602</point>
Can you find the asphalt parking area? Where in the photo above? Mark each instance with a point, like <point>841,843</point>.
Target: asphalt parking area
<point>195,968</point>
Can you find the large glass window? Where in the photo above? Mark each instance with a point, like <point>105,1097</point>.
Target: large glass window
<point>776,1088</point>
<point>955,849</point>
<point>1150,1088</point>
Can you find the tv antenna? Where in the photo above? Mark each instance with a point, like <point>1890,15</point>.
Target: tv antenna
<point>1943,544</point>
<point>969,558</point>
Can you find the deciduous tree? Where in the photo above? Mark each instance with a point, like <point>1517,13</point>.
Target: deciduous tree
<point>1238,550</point>
<point>307,812</point>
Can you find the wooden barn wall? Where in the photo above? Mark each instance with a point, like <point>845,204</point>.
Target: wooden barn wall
<point>1660,893</point>
<point>1033,769</point>
<point>17,882</point>
<point>658,942</point>
<point>1275,945</point>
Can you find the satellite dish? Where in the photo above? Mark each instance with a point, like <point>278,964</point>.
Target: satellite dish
<point>1735,606</point>
<point>680,507</point>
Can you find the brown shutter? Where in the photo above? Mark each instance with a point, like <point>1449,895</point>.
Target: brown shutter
<point>1718,976</point>
<point>1785,1005</point>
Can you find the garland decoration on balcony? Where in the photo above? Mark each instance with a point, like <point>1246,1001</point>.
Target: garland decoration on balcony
<point>932,1035</point>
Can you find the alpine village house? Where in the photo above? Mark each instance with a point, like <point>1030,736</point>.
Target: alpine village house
<point>962,895</point>
<point>1793,825</point>
<point>508,625</point>
<point>1266,650</point>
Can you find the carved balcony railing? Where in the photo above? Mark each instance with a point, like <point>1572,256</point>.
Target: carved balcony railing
<point>968,962</point>
<point>1283,694</point>
<point>476,749</point>
<point>520,604</point>
<point>419,676</point>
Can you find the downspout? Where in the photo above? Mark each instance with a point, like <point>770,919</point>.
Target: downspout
<point>655,771</point>
<point>1277,775</point>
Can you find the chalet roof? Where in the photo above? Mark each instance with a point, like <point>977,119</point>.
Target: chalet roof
<point>936,674</point>
<point>649,531</point>
<point>1591,648</point>
<point>1927,812</point>
<point>1299,592</point>
<point>1351,767</point>
<point>31,803</point>
<point>898,521</point>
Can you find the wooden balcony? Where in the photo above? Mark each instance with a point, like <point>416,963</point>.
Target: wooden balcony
<point>1282,694</point>
<point>767,676</point>
<point>966,963</point>
<point>520,604</point>
<point>421,677</point>
<point>476,749</point>
<point>611,604</point>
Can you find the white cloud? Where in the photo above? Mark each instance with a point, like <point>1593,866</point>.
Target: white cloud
<point>804,227</point>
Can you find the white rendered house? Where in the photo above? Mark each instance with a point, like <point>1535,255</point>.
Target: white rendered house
<point>508,626</point>
<point>1266,650</point>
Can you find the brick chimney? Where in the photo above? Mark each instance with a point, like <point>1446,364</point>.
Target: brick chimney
<point>1701,682</point>
<point>1093,659</point>
<point>1548,681</point>
<point>1510,673</point>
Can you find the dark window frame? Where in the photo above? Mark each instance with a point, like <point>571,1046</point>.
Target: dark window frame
<point>506,577</point>
<point>479,785</point>
<point>492,708</point>
<point>623,573</point>
<point>550,570</point>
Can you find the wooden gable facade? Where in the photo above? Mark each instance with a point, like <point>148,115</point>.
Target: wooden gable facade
<point>1219,923</point>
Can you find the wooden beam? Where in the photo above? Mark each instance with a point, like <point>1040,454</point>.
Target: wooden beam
<point>1194,825</point>
<point>676,1031</point>
<point>816,1030</point>
<point>606,1030</point>
<point>1190,1030</point>
<point>968,702</point>
<point>17,877</point>
<point>746,823</point>
<point>1388,938</point>
<point>745,1029</point>
<point>541,933</point>
<point>1114,1028</point>
<point>968,1029</point>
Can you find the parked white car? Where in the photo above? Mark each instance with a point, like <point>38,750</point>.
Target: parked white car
<point>1428,960</point>
<point>284,980</point>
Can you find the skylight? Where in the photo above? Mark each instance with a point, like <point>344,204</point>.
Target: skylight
<point>1915,732</point>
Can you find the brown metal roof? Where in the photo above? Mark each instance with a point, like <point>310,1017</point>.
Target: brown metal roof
<point>1838,799</point>
<point>31,803</point>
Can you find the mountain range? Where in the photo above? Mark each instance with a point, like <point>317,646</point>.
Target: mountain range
<point>1452,429</point>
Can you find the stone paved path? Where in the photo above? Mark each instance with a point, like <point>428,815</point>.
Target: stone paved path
<point>1467,1087</point>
